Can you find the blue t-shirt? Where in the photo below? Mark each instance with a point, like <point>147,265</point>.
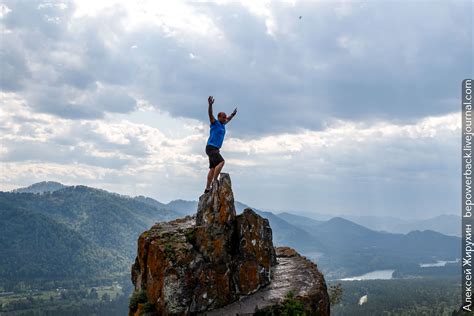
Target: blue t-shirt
<point>216,138</point>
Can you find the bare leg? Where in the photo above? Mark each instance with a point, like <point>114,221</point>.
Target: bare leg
<point>218,169</point>
<point>210,176</point>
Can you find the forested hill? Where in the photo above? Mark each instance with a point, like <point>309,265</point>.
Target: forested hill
<point>35,247</point>
<point>71,232</point>
<point>108,224</point>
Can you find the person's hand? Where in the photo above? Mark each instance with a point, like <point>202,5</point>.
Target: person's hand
<point>210,100</point>
<point>235,112</point>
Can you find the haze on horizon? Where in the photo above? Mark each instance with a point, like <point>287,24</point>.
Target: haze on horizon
<point>353,109</point>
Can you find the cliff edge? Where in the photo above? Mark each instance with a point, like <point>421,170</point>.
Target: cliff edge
<point>220,263</point>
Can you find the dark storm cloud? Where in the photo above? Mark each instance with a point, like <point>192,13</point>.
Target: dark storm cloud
<point>369,61</point>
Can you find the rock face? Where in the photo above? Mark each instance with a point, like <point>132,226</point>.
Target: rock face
<point>204,263</point>
<point>292,273</point>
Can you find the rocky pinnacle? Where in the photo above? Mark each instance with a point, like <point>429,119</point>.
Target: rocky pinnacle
<point>203,263</point>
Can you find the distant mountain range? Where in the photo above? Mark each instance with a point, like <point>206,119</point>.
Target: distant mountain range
<point>445,224</point>
<point>79,231</point>
<point>356,249</point>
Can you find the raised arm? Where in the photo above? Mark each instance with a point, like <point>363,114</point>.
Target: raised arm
<point>231,116</point>
<point>210,101</point>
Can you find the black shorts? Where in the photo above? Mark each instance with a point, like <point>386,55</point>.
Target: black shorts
<point>215,157</point>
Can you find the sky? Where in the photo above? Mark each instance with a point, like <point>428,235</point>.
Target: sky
<point>344,107</point>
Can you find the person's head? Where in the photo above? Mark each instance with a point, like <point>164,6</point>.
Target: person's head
<point>222,117</point>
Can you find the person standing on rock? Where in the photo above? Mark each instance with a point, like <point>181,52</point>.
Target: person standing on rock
<point>214,143</point>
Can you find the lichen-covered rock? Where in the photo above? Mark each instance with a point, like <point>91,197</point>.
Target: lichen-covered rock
<point>207,261</point>
<point>215,221</point>
<point>218,206</point>
<point>255,254</point>
<point>294,278</point>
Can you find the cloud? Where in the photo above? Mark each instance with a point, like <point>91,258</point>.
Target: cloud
<point>355,61</point>
<point>348,168</point>
<point>65,66</point>
<point>14,69</point>
<point>329,66</point>
<point>351,109</point>
<point>108,143</point>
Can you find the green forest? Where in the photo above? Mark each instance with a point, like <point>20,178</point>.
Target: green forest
<point>400,297</point>
<point>92,297</point>
<point>69,234</point>
<point>69,252</point>
<point>397,297</point>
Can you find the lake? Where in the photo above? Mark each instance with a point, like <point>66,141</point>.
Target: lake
<point>374,275</point>
<point>439,263</point>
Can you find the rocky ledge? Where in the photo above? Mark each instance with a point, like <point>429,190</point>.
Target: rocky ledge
<point>220,263</point>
